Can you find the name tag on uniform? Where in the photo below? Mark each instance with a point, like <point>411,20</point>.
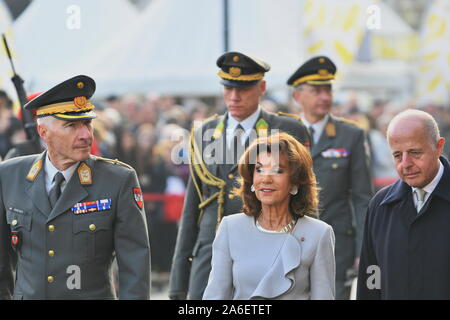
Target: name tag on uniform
<point>92,206</point>
<point>335,153</point>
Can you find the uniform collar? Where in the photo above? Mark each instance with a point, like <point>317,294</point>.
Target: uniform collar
<point>248,124</point>
<point>318,126</point>
<point>51,170</point>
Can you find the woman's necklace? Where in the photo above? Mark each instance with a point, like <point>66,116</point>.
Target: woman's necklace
<point>285,229</point>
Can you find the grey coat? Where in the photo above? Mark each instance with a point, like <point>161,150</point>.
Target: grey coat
<point>248,263</point>
<point>345,187</point>
<point>192,259</point>
<point>57,245</point>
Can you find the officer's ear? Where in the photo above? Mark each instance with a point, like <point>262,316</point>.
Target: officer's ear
<point>262,87</point>
<point>43,125</point>
<point>297,94</point>
<point>42,131</point>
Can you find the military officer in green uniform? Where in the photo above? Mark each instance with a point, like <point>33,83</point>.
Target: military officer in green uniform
<point>341,163</point>
<point>215,147</point>
<point>65,214</point>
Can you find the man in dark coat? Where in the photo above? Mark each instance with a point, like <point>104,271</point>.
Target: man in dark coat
<point>406,247</point>
<point>341,164</point>
<point>215,148</point>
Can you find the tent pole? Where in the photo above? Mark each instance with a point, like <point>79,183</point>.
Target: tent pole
<point>225,26</point>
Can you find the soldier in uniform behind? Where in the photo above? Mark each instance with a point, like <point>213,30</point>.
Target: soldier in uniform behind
<point>215,147</point>
<point>65,214</point>
<point>341,164</point>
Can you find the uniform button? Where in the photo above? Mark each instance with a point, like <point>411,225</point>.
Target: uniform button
<point>51,253</point>
<point>334,165</point>
<point>14,222</point>
<point>230,176</point>
<point>51,228</point>
<point>92,227</point>
<point>50,279</point>
<point>190,259</point>
<point>231,196</point>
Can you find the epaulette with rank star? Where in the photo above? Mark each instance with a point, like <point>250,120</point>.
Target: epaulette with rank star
<point>115,161</point>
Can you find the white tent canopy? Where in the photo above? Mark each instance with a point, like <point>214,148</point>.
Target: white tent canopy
<point>174,45</point>
<point>53,37</point>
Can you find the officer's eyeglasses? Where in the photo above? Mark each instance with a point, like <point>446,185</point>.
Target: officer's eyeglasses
<point>317,90</point>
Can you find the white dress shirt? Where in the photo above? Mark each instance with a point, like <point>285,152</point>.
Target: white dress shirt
<point>429,188</point>
<point>318,127</point>
<point>248,125</point>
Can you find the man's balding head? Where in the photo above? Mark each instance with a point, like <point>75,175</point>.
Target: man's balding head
<point>416,146</point>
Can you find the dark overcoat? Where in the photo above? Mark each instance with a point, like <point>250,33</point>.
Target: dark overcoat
<point>410,251</point>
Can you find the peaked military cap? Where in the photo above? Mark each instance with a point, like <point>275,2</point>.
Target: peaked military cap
<point>68,100</point>
<point>316,71</point>
<point>240,70</point>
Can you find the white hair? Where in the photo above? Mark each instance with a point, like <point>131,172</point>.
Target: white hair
<point>47,121</point>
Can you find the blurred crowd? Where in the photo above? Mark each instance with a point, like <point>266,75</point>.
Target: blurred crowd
<point>147,132</point>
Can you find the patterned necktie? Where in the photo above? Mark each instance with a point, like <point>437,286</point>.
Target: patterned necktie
<point>311,133</point>
<point>55,192</point>
<point>420,194</point>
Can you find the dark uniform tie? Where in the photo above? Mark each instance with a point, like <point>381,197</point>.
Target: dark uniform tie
<point>55,192</point>
<point>237,142</point>
<point>311,133</point>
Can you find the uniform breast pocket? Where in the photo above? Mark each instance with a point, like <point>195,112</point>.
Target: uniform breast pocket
<point>336,164</point>
<point>93,237</point>
<point>20,223</point>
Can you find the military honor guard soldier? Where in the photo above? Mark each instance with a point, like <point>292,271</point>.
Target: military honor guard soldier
<point>341,163</point>
<point>215,148</point>
<point>65,214</point>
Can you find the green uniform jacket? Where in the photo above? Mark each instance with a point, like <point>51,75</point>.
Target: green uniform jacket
<point>341,165</point>
<point>63,255</point>
<point>192,259</point>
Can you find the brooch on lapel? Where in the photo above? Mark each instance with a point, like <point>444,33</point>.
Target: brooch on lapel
<point>92,206</point>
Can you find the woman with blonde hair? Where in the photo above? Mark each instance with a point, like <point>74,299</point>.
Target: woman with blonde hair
<point>274,249</point>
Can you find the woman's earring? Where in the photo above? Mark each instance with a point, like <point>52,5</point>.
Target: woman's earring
<point>294,190</point>
<point>252,188</point>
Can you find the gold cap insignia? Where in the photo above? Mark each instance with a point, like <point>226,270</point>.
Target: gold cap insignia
<point>34,171</point>
<point>236,59</point>
<point>84,173</point>
<point>235,71</point>
<point>321,60</point>
<point>323,72</point>
<point>80,102</point>
<point>80,85</point>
